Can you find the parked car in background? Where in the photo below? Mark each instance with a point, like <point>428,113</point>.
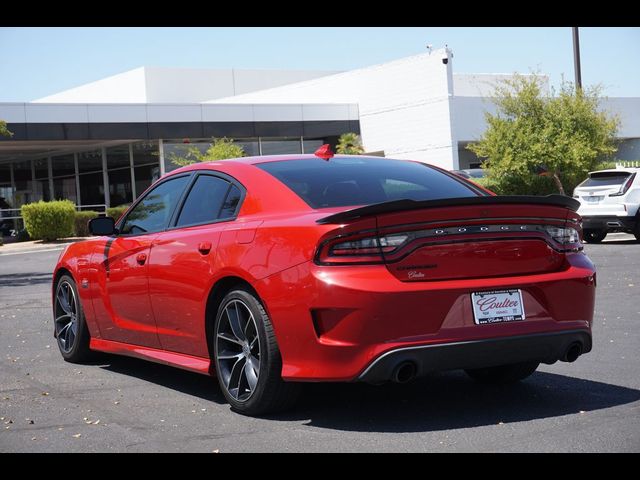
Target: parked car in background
<point>271,271</point>
<point>609,202</point>
<point>461,173</point>
<point>471,173</point>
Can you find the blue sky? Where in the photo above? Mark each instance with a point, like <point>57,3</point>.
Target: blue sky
<point>40,61</point>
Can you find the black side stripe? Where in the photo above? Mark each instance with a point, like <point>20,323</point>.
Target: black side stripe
<point>107,247</point>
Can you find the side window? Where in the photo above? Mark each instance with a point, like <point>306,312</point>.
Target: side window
<point>152,213</point>
<point>231,203</point>
<point>210,199</point>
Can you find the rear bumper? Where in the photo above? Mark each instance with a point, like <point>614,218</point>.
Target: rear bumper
<point>608,222</point>
<point>541,347</point>
<point>332,323</point>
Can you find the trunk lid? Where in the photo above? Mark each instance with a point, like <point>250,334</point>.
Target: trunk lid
<point>471,237</point>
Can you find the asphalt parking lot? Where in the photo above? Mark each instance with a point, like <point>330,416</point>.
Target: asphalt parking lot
<point>126,405</point>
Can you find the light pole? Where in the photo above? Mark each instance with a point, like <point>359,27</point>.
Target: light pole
<point>576,58</point>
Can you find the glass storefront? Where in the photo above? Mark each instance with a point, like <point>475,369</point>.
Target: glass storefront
<point>130,169</point>
<point>120,192</point>
<point>65,188</point>
<point>281,146</point>
<point>63,165</point>
<point>119,175</point>
<point>146,165</point>
<point>145,176</point>
<point>175,151</point>
<point>92,189</point>
<point>90,161</point>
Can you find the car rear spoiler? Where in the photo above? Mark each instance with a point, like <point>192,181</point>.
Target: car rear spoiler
<point>403,205</point>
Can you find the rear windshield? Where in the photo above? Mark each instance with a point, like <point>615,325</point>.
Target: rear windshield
<point>343,182</point>
<point>605,179</point>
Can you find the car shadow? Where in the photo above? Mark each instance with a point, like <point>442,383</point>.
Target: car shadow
<point>23,279</point>
<point>439,402</point>
<point>182,381</point>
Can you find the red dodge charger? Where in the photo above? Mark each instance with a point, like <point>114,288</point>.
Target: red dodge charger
<point>271,271</point>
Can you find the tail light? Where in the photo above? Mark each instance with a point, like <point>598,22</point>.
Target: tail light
<point>624,187</point>
<point>372,249</point>
<point>566,236</point>
<point>365,249</point>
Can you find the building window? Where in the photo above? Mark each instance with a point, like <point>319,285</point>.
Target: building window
<point>119,174</point>
<point>92,189</point>
<point>145,176</point>
<point>312,144</point>
<point>118,157</point>
<point>146,165</point>
<point>6,194</point>
<point>90,162</point>
<point>41,167</point>
<point>64,188</point>
<point>178,149</point>
<point>41,191</point>
<point>23,183</point>
<point>62,166</point>
<point>120,192</point>
<point>250,146</point>
<point>281,146</point>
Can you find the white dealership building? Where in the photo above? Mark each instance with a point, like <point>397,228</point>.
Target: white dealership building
<point>104,142</point>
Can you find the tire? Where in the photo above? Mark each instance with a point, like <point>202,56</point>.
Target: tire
<point>249,377</point>
<point>594,235</point>
<point>636,230</point>
<point>503,374</point>
<point>70,327</point>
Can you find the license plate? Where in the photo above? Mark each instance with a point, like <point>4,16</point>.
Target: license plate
<point>593,199</point>
<point>497,306</point>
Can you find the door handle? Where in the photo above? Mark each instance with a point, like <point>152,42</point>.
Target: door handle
<point>141,258</point>
<point>204,247</point>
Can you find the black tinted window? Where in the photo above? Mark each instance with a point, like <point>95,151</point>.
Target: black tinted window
<point>230,204</point>
<point>362,181</point>
<point>152,213</point>
<point>605,179</point>
<point>205,201</point>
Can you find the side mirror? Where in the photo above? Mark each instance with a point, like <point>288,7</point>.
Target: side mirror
<point>102,226</point>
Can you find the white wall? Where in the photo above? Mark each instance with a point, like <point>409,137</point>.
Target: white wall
<point>172,112</point>
<point>468,117</point>
<point>127,87</point>
<point>404,105</point>
<point>469,123</point>
<point>178,85</point>
<point>483,84</point>
<point>628,111</point>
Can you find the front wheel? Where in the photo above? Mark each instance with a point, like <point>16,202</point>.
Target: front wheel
<point>636,230</point>
<point>503,374</point>
<point>70,327</point>
<point>247,359</point>
<point>592,235</point>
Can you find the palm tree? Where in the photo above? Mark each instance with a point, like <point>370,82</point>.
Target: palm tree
<point>350,144</point>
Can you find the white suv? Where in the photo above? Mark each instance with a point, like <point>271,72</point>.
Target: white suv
<point>609,201</point>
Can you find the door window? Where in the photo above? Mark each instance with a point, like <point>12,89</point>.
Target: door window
<point>153,212</point>
<point>210,199</point>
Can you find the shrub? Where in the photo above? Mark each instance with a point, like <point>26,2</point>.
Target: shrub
<point>82,221</point>
<point>116,212</point>
<point>49,220</point>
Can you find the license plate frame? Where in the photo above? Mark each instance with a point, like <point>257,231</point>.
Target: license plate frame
<point>497,306</point>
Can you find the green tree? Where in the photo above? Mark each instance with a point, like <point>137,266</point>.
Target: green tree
<point>350,144</point>
<point>4,131</point>
<point>219,149</point>
<point>562,136</point>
